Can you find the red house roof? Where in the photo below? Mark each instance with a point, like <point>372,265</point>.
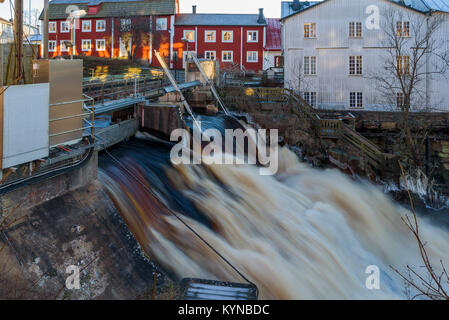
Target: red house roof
<point>273,35</point>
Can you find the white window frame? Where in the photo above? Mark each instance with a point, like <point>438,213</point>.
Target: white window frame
<point>356,100</point>
<point>310,98</point>
<point>86,22</point>
<point>355,65</point>
<point>164,25</point>
<point>54,43</point>
<point>223,36</point>
<point>355,30</point>
<point>214,32</point>
<point>401,27</point>
<point>310,32</point>
<point>65,23</point>
<point>223,54</point>
<point>96,44</point>
<point>97,22</point>
<point>62,44</point>
<point>213,52</point>
<point>82,45</point>
<point>252,31</point>
<point>248,53</point>
<point>187,32</point>
<point>55,27</point>
<point>310,65</point>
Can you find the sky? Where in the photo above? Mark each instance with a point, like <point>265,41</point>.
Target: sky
<point>272,7</point>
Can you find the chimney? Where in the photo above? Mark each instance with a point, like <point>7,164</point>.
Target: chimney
<point>194,9</point>
<point>296,5</point>
<point>261,19</point>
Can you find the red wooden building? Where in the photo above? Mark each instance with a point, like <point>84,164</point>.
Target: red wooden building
<point>113,28</point>
<point>236,40</point>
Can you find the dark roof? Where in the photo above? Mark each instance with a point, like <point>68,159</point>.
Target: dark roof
<point>113,8</point>
<point>423,6</point>
<point>206,19</point>
<point>273,35</point>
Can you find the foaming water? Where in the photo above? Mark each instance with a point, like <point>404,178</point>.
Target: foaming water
<point>302,234</point>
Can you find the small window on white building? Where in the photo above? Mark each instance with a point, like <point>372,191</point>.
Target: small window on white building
<point>52,46</point>
<point>189,35</point>
<point>86,45</point>
<point>310,98</point>
<point>52,27</point>
<point>86,26</point>
<point>252,56</point>
<point>100,45</point>
<point>65,27</point>
<point>101,25</point>
<point>227,36</point>
<point>279,62</point>
<point>355,29</point>
<point>161,24</point>
<point>309,30</point>
<point>403,65</point>
<point>356,100</point>
<point>253,36</point>
<point>310,65</point>
<point>227,56</point>
<point>210,36</point>
<point>355,65</point>
<point>210,55</point>
<point>403,28</point>
<point>65,45</point>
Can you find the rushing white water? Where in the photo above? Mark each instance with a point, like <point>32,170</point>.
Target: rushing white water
<point>302,234</point>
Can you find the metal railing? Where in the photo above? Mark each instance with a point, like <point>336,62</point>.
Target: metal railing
<point>87,116</point>
<point>103,91</point>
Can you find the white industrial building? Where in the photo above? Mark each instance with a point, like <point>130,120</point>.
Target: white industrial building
<point>333,49</point>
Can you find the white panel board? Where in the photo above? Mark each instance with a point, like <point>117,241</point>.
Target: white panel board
<point>25,126</point>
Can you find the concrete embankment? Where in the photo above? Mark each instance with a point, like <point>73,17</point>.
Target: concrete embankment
<point>69,220</point>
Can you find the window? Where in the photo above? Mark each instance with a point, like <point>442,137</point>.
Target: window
<point>403,65</point>
<point>309,30</point>
<point>227,36</point>
<point>86,26</point>
<point>309,66</point>
<point>189,35</point>
<point>253,36</point>
<point>403,29</point>
<point>85,45</point>
<point>65,27</point>
<point>310,98</point>
<point>252,56</point>
<point>227,56</point>
<point>210,55</point>
<point>101,25</point>
<point>356,100</point>
<point>64,46</point>
<point>52,46</point>
<point>355,65</point>
<point>355,29</point>
<point>125,25</point>
<point>52,27</point>
<point>210,36</point>
<point>400,100</point>
<point>161,24</point>
<point>279,62</point>
<point>101,45</point>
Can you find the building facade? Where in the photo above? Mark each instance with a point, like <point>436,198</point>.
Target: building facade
<point>236,40</point>
<point>272,53</point>
<point>333,49</point>
<point>113,28</point>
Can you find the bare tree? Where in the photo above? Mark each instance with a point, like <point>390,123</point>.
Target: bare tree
<point>414,54</point>
<point>432,284</point>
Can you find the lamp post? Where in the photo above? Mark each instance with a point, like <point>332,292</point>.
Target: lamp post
<point>75,14</point>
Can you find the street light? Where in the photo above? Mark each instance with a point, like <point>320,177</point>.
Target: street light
<point>75,14</point>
